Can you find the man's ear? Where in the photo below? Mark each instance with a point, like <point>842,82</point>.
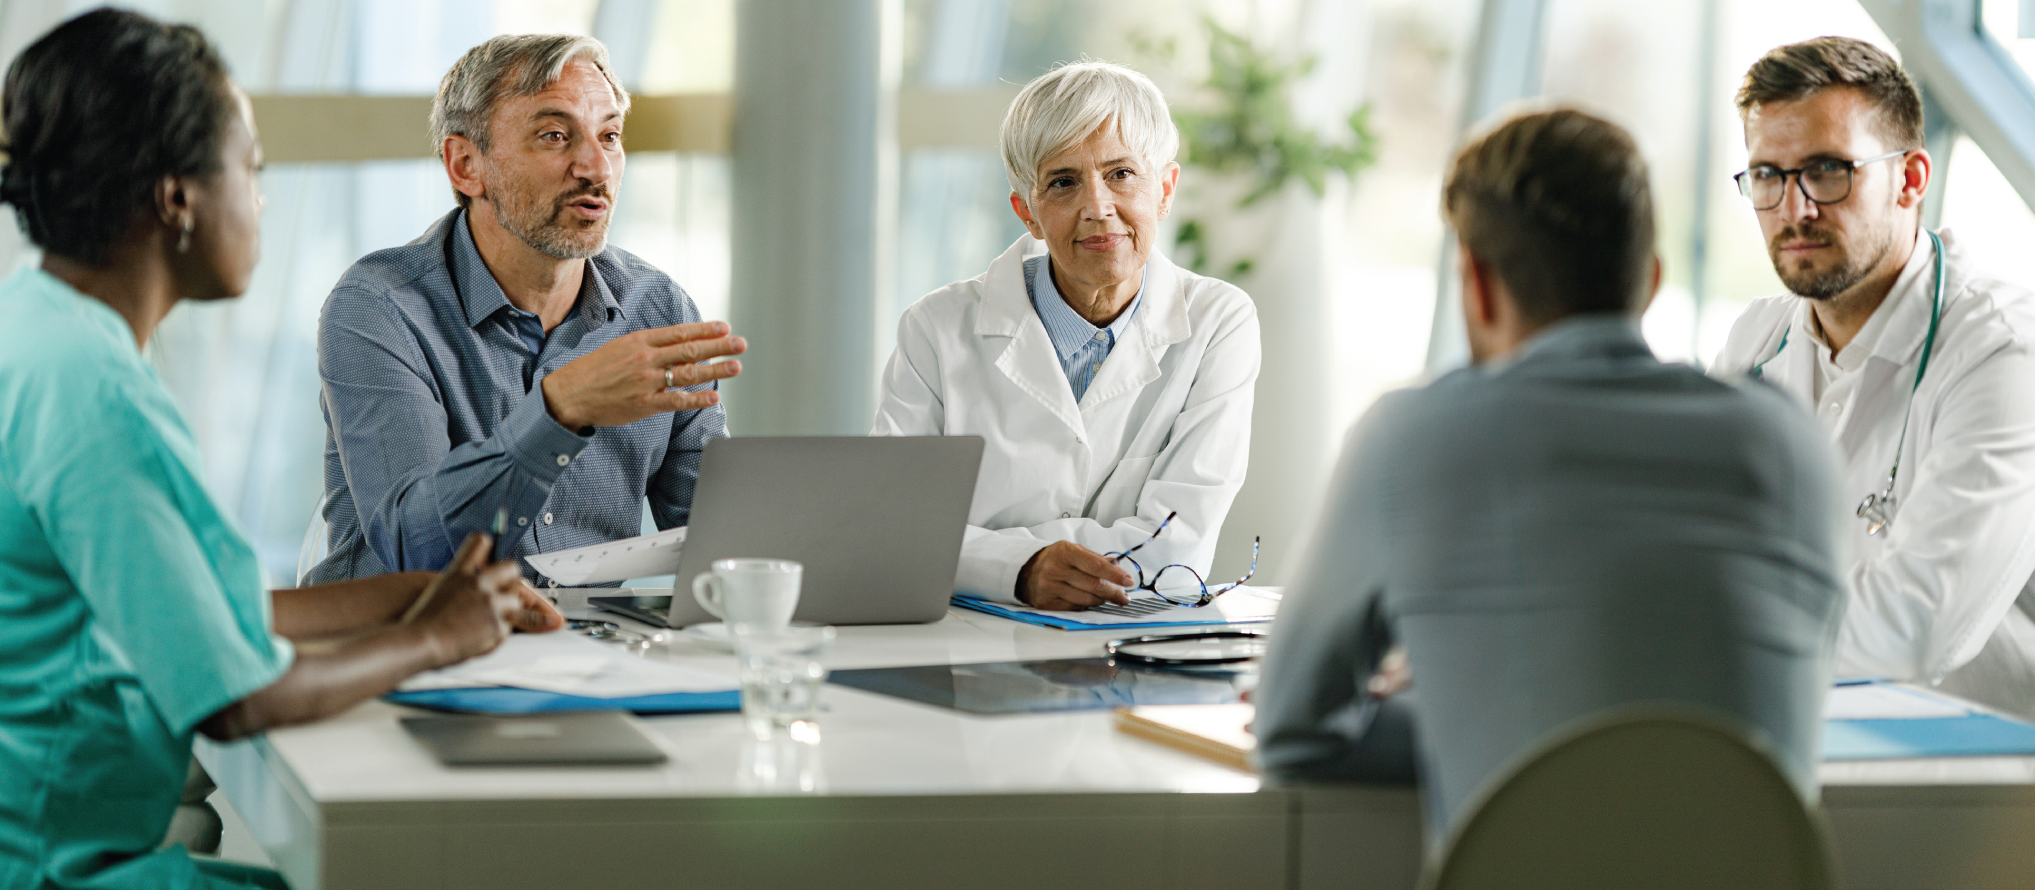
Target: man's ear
<point>1024,214</point>
<point>1480,298</point>
<point>1653,286</point>
<point>1915,172</point>
<point>462,166</point>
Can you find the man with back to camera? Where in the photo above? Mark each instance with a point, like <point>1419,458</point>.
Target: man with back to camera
<point>1567,526</point>
<point>509,366</point>
<point>1941,554</point>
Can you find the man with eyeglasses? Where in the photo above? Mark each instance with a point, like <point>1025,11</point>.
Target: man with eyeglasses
<point>1919,365</point>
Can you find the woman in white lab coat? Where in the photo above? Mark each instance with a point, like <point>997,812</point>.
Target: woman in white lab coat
<point>1113,388</point>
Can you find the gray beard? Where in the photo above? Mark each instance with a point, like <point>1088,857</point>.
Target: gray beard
<point>551,239</point>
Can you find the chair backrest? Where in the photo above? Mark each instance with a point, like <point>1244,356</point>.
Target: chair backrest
<point>316,544</point>
<point>1653,798</point>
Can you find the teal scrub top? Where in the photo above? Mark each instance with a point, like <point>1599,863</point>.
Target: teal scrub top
<point>130,607</point>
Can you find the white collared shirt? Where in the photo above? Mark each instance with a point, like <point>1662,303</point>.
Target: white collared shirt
<point>1934,597</point>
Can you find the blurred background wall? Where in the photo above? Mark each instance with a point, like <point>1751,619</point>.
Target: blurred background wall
<point>1344,269</point>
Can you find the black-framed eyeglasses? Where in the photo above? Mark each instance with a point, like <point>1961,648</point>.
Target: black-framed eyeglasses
<point>1179,574</point>
<point>1825,181</point>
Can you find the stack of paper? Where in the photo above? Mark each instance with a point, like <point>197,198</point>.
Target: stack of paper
<point>1878,701</point>
<point>1244,605</point>
<point>614,561</point>
<point>1221,733</point>
<point>569,664</point>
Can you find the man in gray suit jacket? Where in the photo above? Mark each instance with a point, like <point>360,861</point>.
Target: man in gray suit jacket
<point>1565,527</point>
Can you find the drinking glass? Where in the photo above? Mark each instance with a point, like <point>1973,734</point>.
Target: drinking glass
<point>782,669</point>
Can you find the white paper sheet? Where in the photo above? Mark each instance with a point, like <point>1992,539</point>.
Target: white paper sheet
<point>614,561</point>
<point>1881,702</point>
<point>1243,604</point>
<point>567,663</point>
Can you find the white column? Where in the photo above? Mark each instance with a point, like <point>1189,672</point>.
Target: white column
<point>814,194</point>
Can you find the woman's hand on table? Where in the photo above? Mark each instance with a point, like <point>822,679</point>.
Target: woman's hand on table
<point>1069,577</point>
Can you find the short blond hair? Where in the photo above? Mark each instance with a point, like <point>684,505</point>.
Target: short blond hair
<point>1060,108</point>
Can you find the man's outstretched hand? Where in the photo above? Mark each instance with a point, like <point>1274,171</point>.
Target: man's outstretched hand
<point>636,375</point>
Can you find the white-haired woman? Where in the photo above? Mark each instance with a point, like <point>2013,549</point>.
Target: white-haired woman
<point>1113,388</point>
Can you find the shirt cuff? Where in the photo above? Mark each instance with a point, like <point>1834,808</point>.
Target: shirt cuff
<point>535,441</point>
<point>990,563</point>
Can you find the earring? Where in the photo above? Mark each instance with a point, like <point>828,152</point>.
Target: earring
<point>184,240</point>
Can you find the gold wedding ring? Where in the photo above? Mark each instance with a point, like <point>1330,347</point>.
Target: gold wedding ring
<point>668,382</point>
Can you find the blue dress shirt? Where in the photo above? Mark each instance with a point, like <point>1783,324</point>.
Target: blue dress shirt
<point>435,416</point>
<point>1080,346</point>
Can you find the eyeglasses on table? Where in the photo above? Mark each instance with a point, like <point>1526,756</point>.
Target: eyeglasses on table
<point>1177,572</point>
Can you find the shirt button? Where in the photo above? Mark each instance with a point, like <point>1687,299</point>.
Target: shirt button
<point>522,520</point>
<point>1831,409</point>
<point>547,519</point>
<point>1099,335</point>
<point>563,460</point>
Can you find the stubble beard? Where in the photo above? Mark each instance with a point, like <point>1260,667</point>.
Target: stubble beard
<point>1851,268</point>
<point>548,228</point>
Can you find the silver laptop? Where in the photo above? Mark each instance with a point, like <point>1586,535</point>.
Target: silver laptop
<point>877,522</point>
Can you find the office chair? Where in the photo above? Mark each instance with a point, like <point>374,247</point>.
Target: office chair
<point>1655,798</point>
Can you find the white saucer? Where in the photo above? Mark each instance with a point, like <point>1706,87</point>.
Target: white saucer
<point>712,634</point>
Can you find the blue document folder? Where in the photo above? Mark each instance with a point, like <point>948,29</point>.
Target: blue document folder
<point>1972,735</point>
<point>1072,620</point>
<point>508,700</point>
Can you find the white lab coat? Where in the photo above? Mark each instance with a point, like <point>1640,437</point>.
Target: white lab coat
<point>1944,593</point>
<point>1165,426</point>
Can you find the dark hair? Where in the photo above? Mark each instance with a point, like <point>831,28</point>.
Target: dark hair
<point>97,112</point>
<point>1800,70</point>
<point>1557,204</point>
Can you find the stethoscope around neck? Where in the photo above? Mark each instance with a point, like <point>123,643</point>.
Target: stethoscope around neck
<point>1878,509</point>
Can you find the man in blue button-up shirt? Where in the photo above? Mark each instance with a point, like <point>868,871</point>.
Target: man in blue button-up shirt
<point>509,366</point>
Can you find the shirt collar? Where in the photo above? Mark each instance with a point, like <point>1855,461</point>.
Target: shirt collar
<point>1608,334</point>
<point>481,296</point>
<point>1065,327</point>
<point>1896,326</point>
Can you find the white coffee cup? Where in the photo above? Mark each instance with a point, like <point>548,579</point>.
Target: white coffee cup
<point>758,592</point>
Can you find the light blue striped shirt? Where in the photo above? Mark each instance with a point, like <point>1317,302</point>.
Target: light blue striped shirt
<point>1081,347</point>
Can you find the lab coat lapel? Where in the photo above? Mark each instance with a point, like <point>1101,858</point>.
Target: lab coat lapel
<point>1889,380</point>
<point>1161,322</point>
<point>1794,369</point>
<point>1027,358</point>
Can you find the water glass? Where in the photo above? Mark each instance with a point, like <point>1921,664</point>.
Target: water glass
<point>782,670</point>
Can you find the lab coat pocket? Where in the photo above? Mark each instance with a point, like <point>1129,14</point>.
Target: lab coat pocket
<point>1118,496</point>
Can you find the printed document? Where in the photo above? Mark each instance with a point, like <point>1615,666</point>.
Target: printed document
<point>614,561</point>
<point>569,664</point>
<point>1877,701</point>
<point>1239,606</point>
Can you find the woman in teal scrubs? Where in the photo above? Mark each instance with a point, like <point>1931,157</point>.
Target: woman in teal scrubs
<point>132,612</point>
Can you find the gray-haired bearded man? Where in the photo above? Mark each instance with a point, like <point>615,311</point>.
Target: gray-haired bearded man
<point>508,367</point>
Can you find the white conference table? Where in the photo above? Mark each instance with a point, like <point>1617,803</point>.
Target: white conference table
<point>898,794</point>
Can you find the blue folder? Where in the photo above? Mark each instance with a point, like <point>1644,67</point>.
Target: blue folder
<point>509,700</point>
<point>1972,735</point>
<point>1215,619</point>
